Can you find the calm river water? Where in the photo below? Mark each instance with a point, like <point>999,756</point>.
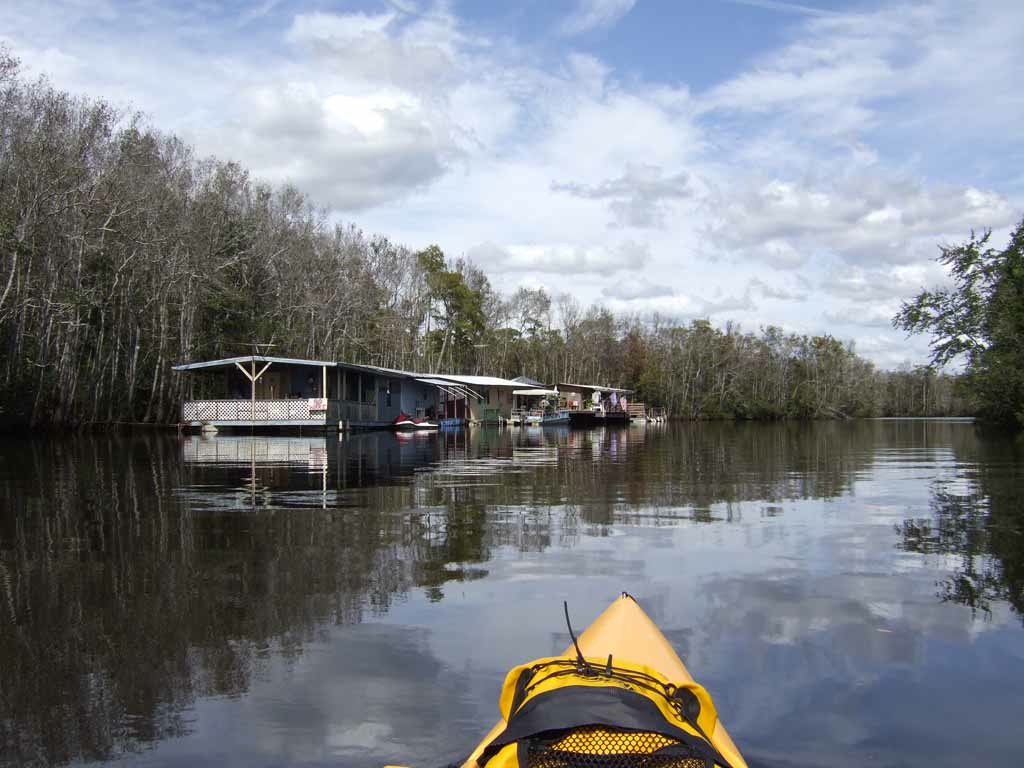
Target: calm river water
<point>850,593</point>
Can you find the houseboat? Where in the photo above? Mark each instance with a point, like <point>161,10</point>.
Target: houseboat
<point>597,405</point>
<point>260,391</point>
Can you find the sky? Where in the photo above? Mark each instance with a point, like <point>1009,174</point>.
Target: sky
<point>748,161</point>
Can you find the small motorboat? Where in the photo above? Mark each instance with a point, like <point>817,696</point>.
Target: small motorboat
<point>405,421</point>
<point>554,418</point>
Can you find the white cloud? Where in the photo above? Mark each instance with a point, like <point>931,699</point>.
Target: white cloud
<point>594,14</point>
<point>728,304</point>
<point>777,5</point>
<point>335,29</point>
<point>890,349</point>
<point>675,306</point>
<point>637,198</point>
<point>862,219</point>
<point>679,306</point>
<point>569,260</point>
<point>831,76</point>
<point>884,283</point>
<point>840,76</point>
<point>256,12</point>
<point>809,190</point>
<point>770,291</point>
<point>869,316</point>
<point>350,150</point>
<point>630,287</point>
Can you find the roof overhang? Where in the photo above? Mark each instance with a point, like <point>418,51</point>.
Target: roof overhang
<point>456,390</point>
<point>392,373</point>
<point>231,362</point>
<point>480,381</point>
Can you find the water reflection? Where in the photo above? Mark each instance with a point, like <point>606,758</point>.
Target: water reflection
<point>977,520</point>
<point>358,599</point>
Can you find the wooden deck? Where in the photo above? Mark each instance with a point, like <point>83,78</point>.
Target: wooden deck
<point>637,410</point>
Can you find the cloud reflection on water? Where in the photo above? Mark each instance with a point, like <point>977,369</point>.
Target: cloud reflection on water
<point>359,601</point>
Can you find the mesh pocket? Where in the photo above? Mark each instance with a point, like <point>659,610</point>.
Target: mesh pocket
<point>600,747</point>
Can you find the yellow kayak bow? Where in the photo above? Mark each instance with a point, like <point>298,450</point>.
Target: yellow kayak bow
<point>618,697</point>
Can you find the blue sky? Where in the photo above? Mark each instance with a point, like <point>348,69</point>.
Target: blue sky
<point>754,161</point>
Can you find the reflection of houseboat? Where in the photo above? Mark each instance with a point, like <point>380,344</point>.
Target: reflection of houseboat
<point>298,451</point>
<point>233,470</point>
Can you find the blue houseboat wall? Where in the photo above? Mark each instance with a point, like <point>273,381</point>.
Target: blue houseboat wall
<point>389,395</point>
<point>419,398</point>
<point>404,395</point>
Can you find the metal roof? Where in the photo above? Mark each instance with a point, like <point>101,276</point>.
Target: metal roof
<point>535,392</point>
<point>451,388</point>
<point>231,361</point>
<point>479,381</point>
<point>435,379</point>
<point>436,382</point>
<point>393,372</point>
<point>594,388</point>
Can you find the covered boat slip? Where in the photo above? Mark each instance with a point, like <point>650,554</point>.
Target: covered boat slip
<point>260,391</point>
<point>599,405</point>
<point>453,408</point>
<point>536,407</point>
<point>491,396</point>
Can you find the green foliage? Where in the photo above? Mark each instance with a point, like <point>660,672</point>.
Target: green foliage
<point>457,308</point>
<point>979,319</point>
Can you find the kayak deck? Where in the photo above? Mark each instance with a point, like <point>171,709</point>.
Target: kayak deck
<point>627,632</point>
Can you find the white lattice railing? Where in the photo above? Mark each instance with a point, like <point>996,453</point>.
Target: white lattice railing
<point>259,410</point>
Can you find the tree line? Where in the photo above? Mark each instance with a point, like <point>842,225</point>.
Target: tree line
<point>122,252</point>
